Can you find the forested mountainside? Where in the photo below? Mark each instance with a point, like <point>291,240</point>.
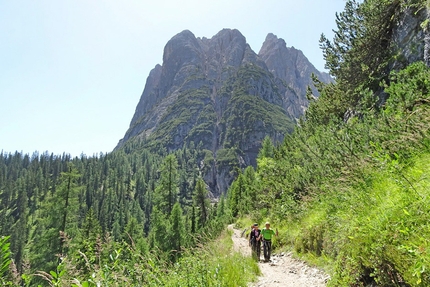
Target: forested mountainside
<point>101,211</point>
<point>219,94</point>
<point>348,189</point>
<point>350,186</point>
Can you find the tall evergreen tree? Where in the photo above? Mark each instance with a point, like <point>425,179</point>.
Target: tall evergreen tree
<point>55,221</point>
<point>177,231</point>
<point>167,188</point>
<point>158,234</point>
<point>267,148</point>
<point>236,193</point>
<point>68,198</point>
<point>201,202</point>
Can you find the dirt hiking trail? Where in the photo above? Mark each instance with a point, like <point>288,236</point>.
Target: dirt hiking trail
<point>284,270</point>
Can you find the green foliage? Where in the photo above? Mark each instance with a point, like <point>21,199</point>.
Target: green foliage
<point>214,264</point>
<point>201,203</point>
<point>360,51</point>
<point>354,193</point>
<point>177,235</point>
<point>409,89</point>
<point>158,235</point>
<point>91,209</point>
<point>236,195</point>
<point>166,193</point>
<point>227,157</point>
<point>385,240</point>
<point>360,56</point>
<point>247,115</point>
<point>5,261</point>
<point>267,148</point>
<point>242,194</point>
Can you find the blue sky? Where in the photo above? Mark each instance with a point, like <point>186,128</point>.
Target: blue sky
<point>72,71</point>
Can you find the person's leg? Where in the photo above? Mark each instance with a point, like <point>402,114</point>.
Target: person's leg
<point>265,250</point>
<point>254,249</point>
<point>258,251</point>
<point>269,249</point>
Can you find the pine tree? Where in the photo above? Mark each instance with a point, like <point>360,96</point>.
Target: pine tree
<point>267,148</point>
<point>166,193</point>
<point>177,231</point>
<point>55,221</point>
<point>201,202</point>
<point>361,51</point>
<point>19,234</point>
<point>158,234</point>
<point>133,231</point>
<point>236,194</point>
<point>68,194</point>
<point>90,237</point>
<point>250,200</point>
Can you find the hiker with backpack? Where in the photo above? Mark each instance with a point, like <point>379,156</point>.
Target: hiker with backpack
<point>267,235</point>
<point>255,241</point>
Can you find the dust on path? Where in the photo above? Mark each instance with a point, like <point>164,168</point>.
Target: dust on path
<point>284,270</point>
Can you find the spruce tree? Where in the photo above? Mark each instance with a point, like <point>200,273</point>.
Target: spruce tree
<point>177,231</point>
<point>267,148</point>
<point>166,193</point>
<point>201,202</point>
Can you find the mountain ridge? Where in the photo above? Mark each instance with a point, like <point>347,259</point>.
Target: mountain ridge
<point>217,91</point>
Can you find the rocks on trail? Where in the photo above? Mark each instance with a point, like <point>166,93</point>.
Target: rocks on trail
<point>283,269</point>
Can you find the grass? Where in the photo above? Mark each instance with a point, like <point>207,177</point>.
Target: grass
<point>374,233</point>
<point>214,264</point>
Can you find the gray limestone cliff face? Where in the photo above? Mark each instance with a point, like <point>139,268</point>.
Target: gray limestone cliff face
<point>411,38</point>
<point>210,61</point>
<point>227,48</point>
<point>426,29</point>
<point>150,94</point>
<point>220,93</point>
<point>294,70</point>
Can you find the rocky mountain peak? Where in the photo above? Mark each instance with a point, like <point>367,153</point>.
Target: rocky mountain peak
<point>227,36</point>
<point>183,47</point>
<point>228,47</point>
<point>272,42</point>
<point>293,69</point>
<point>219,94</point>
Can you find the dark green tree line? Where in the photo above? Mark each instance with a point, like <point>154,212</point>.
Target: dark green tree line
<point>56,207</point>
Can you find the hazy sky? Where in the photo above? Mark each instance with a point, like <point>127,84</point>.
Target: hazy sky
<point>72,71</point>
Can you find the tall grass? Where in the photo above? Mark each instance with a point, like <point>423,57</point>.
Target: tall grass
<point>375,232</point>
<point>213,263</point>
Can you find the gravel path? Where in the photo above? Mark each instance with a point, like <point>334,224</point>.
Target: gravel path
<point>284,270</point>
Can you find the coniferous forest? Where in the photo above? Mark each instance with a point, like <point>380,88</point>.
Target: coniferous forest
<point>101,210</point>
<point>348,188</point>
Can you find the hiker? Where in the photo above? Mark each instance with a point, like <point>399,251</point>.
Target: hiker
<point>267,234</point>
<point>249,235</point>
<point>255,241</point>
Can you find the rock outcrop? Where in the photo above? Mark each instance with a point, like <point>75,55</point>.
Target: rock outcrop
<point>219,94</point>
<point>411,38</point>
<point>291,67</point>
